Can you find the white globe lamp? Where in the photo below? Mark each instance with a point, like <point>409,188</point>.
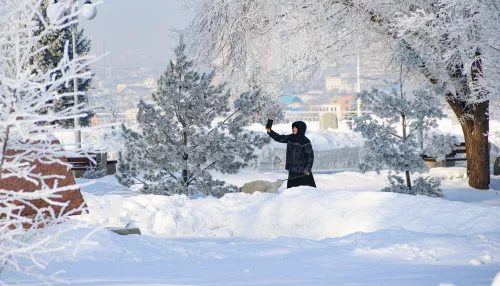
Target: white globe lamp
<point>89,11</point>
<point>55,11</point>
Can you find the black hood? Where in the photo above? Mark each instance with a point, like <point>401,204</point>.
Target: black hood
<point>301,128</point>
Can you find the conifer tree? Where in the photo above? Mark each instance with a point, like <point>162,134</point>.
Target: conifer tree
<point>54,43</point>
<point>390,133</point>
<point>190,130</point>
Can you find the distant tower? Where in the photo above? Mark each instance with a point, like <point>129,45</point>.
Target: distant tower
<point>358,86</point>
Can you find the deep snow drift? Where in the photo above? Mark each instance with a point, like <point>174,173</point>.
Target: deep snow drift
<point>343,233</point>
<point>299,212</point>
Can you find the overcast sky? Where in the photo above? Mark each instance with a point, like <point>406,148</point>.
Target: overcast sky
<point>138,33</point>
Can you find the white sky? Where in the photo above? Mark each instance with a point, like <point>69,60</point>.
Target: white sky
<point>138,33</point>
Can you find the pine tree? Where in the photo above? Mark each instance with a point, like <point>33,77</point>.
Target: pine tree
<point>189,131</point>
<point>390,133</point>
<point>50,57</point>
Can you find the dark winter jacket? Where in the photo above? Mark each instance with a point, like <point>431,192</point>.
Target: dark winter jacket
<point>299,152</point>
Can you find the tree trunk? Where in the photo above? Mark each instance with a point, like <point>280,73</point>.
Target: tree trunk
<point>102,161</point>
<point>479,167</point>
<point>408,179</point>
<point>407,173</point>
<point>476,141</point>
<point>403,123</point>
<point>185,175</point>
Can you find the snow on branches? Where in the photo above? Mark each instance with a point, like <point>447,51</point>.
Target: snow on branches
<point>450,44</point>
<point>439,37</point>
<point>189,131</point>
<point>26,135</point>
<point>391,132</point>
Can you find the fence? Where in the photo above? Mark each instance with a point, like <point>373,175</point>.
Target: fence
<point>313,116</point>
<point>128,119</point>
<point>337,159</point>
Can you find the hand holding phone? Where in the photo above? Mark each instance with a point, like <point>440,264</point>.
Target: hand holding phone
<point>269,124</point>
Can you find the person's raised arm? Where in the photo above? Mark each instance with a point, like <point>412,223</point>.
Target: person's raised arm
<point>277,137</point>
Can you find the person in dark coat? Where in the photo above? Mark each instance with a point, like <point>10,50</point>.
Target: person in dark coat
<point>299,155</point>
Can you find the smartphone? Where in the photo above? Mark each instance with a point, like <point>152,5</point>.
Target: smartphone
<point>269,124</point>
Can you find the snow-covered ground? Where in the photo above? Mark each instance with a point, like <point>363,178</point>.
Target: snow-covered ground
<point>343,233</point>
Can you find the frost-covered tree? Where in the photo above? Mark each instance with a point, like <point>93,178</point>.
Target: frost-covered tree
<point>390,133</point>
<point>26,136</point>
<point>53,44</point>
<point>111,106</point>
<point>189,131</point>
<point>270,108</point>
<point>452,44</point>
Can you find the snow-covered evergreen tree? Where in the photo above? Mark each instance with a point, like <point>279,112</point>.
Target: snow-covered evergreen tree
<point>189,131</point>
<point>53,52</point>
<point>391,133</point>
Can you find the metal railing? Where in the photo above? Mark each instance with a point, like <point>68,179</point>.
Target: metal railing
<point>336,159</point>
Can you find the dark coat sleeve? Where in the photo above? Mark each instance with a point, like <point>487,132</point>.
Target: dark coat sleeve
<point>309,155</point>
<point>277,137</point>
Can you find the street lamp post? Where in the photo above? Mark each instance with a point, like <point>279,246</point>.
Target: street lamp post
<point>78,134</point>
<point>358,87</point>
<point>89,11</point>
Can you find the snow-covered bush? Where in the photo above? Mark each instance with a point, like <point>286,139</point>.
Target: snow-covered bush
<point>391,132</point>
<point>420,186</point>
<point>439,145</point>
<point>26,136</point>
<point>93,172</point>
<point>190,130</point>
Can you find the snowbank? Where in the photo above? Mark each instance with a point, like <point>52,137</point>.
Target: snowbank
<point>378,238</point>
<point>300,212</point>
<point>496,281</point>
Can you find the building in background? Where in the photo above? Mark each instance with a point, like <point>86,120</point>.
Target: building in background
<point>345,103</point>
<point>333,83</point>
<point>291,103</point>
